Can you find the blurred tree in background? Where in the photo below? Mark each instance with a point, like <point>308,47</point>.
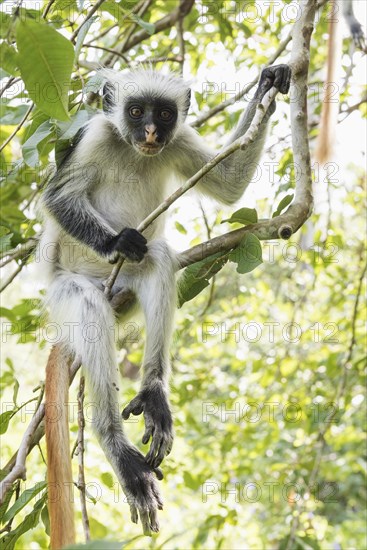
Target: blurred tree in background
<point>268,390</point>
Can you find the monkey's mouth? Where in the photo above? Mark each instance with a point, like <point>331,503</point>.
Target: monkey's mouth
<point>148,149</point>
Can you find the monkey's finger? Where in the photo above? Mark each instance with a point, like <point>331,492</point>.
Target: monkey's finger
<point>154,448</point>
<point>146,436</point>
<point>158,498</point>
<point>158,472</point>
<point>144,518</point>
<point>134,513</point>
<point>149,428</point>
<point>134,407</point>
<point>288,83</point>
<point>154,523</point>
<point>166,444</point>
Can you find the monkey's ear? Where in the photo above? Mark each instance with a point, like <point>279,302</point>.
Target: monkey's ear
<point>108,97</point>
<point>187,103</point>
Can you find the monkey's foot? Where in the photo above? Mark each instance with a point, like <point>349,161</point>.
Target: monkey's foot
<point>141,490</point>
<point>153,403</point>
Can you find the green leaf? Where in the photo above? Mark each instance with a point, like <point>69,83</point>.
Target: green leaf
<point>30,521</point>
<point>46,61</point>
<point>245,216</point>
<point>283,204</point>
<point>6,500</point>
<point>107,479</point>
<point>4,420</point>
<point>12,115</point>
<point>30,147</point>
<point>148,27</point>
<point>9,59</point>
<point>248,254</point>
<point>5,23</point>
<point>81,36</point>
<point>23,500</point>
<point>180,228</point>
<point>196,277</point>
<point>70,128</point>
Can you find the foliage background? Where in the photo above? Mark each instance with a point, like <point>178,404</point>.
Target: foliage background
<point>268,390</point>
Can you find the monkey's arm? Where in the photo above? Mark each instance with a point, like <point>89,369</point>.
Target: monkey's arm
<point>229,179</point>
<point>66,198</point>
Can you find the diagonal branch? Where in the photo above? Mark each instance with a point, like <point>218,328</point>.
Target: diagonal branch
<point>240,143</point>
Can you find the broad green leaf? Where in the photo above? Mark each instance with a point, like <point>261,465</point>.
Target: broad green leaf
<point>283,204</point>
<point>23,500</point>
<point>245,216</point>
<point>30,147</point>
<point>30,521</point>
<point>10,116</point>
<point>196,277</point>
<point>9,59</point>
<point>7,498</point>
<point>70,128</point>
<point>248,254</point>
<point>4,420</point>
<point>5,23</point>
<point>46,60</point>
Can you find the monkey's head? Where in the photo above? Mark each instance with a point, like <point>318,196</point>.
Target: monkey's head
<point>146,106</point>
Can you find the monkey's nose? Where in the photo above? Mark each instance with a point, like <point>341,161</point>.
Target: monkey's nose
<point>150,133</point>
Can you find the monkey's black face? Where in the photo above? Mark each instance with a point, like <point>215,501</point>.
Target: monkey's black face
<point>150,124</point>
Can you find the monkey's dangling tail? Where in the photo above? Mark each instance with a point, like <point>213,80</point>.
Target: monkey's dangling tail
<point>330,106</point>
<point>59,475</point>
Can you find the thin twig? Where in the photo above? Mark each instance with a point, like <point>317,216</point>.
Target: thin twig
<point>80,453</point>
<point>19,469</point>
<point>8,140</point>
<point>19,252</point>
<point>12,277</point>
<point>109,50</point>
<point>10,82</point>
<point>181,41</point>
<point>139,10</point>
<point>89,15</point>
<point>32,436</point>
<point>240,143</point>
<point>162,24</point>
<point>47,8</point>
<point>231,101</point>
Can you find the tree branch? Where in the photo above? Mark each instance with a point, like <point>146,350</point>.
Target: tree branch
<point>166,22</point>
<point>33,434</point>
<point>240,143</point>
<point>218,108</point>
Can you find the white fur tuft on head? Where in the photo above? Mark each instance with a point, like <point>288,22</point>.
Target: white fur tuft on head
<point>149,83</point>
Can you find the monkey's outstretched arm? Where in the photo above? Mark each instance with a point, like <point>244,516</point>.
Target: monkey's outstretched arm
<point>229,179</point>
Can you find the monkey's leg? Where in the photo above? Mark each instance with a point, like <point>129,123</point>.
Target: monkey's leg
<point>155,287</point>
<point>87,322</point>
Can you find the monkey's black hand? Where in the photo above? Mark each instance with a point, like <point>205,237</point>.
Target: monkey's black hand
<point>278,76</point>
<point>153,403</point>
<point>141,489</point>
<point>130,243</point>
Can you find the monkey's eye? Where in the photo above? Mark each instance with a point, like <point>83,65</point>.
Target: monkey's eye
<point>136,112</point>
<point>166,114</point>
